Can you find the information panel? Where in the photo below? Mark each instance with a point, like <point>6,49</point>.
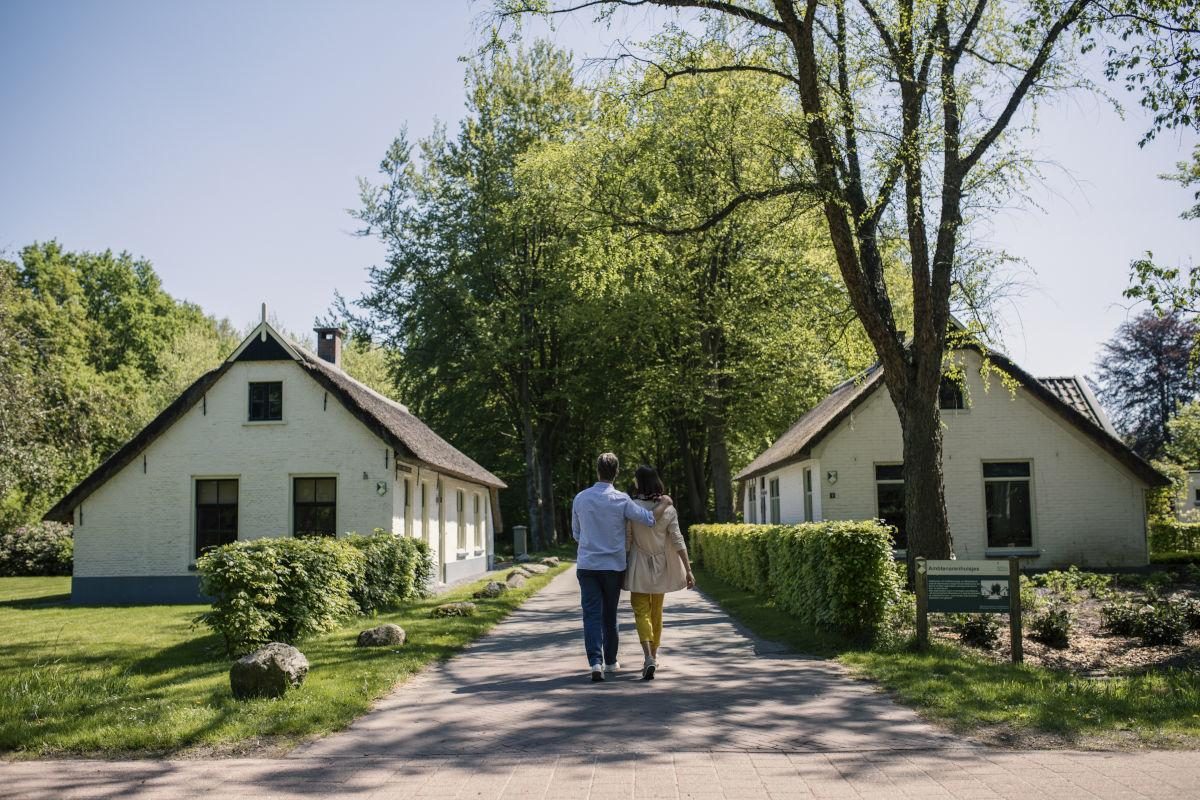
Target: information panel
<point>968,586</point>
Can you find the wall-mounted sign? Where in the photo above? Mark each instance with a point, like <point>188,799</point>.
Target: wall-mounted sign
<point>381,488</point>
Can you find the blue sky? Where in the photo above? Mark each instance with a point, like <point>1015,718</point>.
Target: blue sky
<point>223,141</point>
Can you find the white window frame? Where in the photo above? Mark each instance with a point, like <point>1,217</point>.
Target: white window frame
<point>773,497</point>
<point>1033,546</point>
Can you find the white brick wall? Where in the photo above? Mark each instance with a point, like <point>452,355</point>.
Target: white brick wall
<point>143,523</point>
<point>1088,509</point>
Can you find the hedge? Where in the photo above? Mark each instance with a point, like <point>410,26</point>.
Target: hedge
<point>835,575</point>
<point>1176,557</point>
<point>43,548</point>
<point>1168,535</point>
<point>286,589</point>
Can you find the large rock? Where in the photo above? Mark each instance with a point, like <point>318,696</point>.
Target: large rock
<point>523,558</point>
<point>551,561</point>
<point>382,636</point>
<point>268,672</point>
<point>454,610</point>
<point>493,589</point>
<point>537,569</point>
<point>516,579</point>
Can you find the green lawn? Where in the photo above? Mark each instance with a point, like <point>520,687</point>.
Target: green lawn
<point>109,680</point>
<point>1000,703</point>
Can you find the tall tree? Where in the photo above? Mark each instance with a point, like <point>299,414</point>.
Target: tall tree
<point>904,109</point>
<point>476,292</point>
<point>93,347</point>
<point>1146,374</point>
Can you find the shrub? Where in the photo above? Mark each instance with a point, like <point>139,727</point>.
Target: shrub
<point>1030,599</point>
<point>1066,583</point>
<point>396,569</point>
<point>1120,618</point>
<point>1162,623</point>
<point>279,589</point>
<point>1189,557</point>
<point>835,575</point>
<point>1052,627</point>
<point>43,548</point>
<point>978,630</point>
<point>1168,535</point>
<point>1190,607</point>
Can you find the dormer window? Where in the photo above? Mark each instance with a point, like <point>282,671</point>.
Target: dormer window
<point>266,401</point>
<point>950,396</point>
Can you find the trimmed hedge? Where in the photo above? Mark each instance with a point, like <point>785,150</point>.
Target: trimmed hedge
<point>835,575</point>
<point>1176,557</point>
<point>286,589</point>
<point>43,548</point>
<point>1168,535</point>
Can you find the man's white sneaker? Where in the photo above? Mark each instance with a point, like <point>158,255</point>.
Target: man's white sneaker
<point>648,670</point>
<point>611,669</point>
<point>597,673</point>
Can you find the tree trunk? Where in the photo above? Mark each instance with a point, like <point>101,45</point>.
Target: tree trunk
<point>722,480</point>
<point>533,492</point>
<point>695,502</point>
<point>924,499</point>
<point>546,485</point>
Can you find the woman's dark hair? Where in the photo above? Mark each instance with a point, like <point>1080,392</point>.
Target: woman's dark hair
<point>649,485</point>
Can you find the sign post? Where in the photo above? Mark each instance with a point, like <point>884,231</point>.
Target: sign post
<point>975,587</point>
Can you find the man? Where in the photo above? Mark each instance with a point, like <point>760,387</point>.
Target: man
<point>598,516</point>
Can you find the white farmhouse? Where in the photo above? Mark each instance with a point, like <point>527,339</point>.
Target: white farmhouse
<point>1036,472</point>
<point>275,441</point>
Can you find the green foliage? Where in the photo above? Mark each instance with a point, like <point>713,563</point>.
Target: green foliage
<point>1052,627</point>
<point>1119,617</point>
<point>395,569</point>
<point>91,348</point>
<point>279,589</point>
<point>838,576</point>
<point>43,548</point>
<point>1067,583</point>
<point>1164,622</point>
<point>978,630</point>
<point>1171,536</point>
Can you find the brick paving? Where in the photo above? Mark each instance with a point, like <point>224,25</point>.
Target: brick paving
<point>729,717</point>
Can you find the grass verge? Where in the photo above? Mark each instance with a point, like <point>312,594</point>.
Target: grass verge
<point>1017,706</point>
<point>143,680</point>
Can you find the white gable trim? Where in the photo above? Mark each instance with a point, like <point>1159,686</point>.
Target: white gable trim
<point>262,331</point>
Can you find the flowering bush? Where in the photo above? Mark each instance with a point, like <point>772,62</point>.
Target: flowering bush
<point>43,548</point>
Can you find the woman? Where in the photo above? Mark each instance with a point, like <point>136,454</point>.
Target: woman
<point>658,563</point>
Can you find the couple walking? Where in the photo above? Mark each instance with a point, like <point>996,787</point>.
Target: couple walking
<point>631,543</point>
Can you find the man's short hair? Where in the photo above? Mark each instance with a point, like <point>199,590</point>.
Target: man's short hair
<point>607,466</point>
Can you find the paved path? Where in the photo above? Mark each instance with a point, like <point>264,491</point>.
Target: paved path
<point>515,717</point>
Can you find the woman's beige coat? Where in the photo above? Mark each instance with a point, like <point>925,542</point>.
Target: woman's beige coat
<point>654,563</point>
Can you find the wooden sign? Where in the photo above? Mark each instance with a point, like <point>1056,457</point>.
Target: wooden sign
<point>987,587</point>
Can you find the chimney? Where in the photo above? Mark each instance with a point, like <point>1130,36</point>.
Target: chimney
<point>329,345</point>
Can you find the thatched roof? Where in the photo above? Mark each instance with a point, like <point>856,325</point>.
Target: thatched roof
<point>1073,403</point>
<point>392,422</point>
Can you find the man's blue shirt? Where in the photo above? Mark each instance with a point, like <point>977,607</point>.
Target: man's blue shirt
<point>598,516</point>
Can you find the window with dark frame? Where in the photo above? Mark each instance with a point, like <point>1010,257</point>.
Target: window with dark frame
<point>462,523</point>
<point>266,401</point>
<point>889,498</point>
<point>216,513</point>
<point>314,507</point>
<point>762,498</point>
<point>1008,493</point>
<point>774,488</point>
<point>753,504</point>
<point>808,495</point>
<point>950,396</point>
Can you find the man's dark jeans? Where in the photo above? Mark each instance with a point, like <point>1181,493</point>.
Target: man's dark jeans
<point>600,591</point>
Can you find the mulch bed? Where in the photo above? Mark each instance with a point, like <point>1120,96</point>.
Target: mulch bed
<point>1093,651</point>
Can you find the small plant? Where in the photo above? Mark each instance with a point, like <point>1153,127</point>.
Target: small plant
<point>1162,623</point>
<point>977,630</point>
<point>1120,618</point>
<point>454,610</point>
<point>1052,627</point>
<point>1191,611</point>
<point>1030,599</point>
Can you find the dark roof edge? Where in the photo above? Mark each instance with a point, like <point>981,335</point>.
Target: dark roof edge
<point>63,510</point>
<point>869,385</point>
<point>1099,435</point>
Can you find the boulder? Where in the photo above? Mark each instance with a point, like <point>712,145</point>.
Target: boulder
<point>551,561</point>
<point>521,559</point>
<point>493,589</point>
<point>454,610</point>
<point>382,636</point>
<point>268,672</point>
<point>516,579</point>
<point>524,570</point>
<point>537,569</point>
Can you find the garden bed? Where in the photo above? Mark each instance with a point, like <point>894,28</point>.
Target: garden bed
<point>1094,650</point>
